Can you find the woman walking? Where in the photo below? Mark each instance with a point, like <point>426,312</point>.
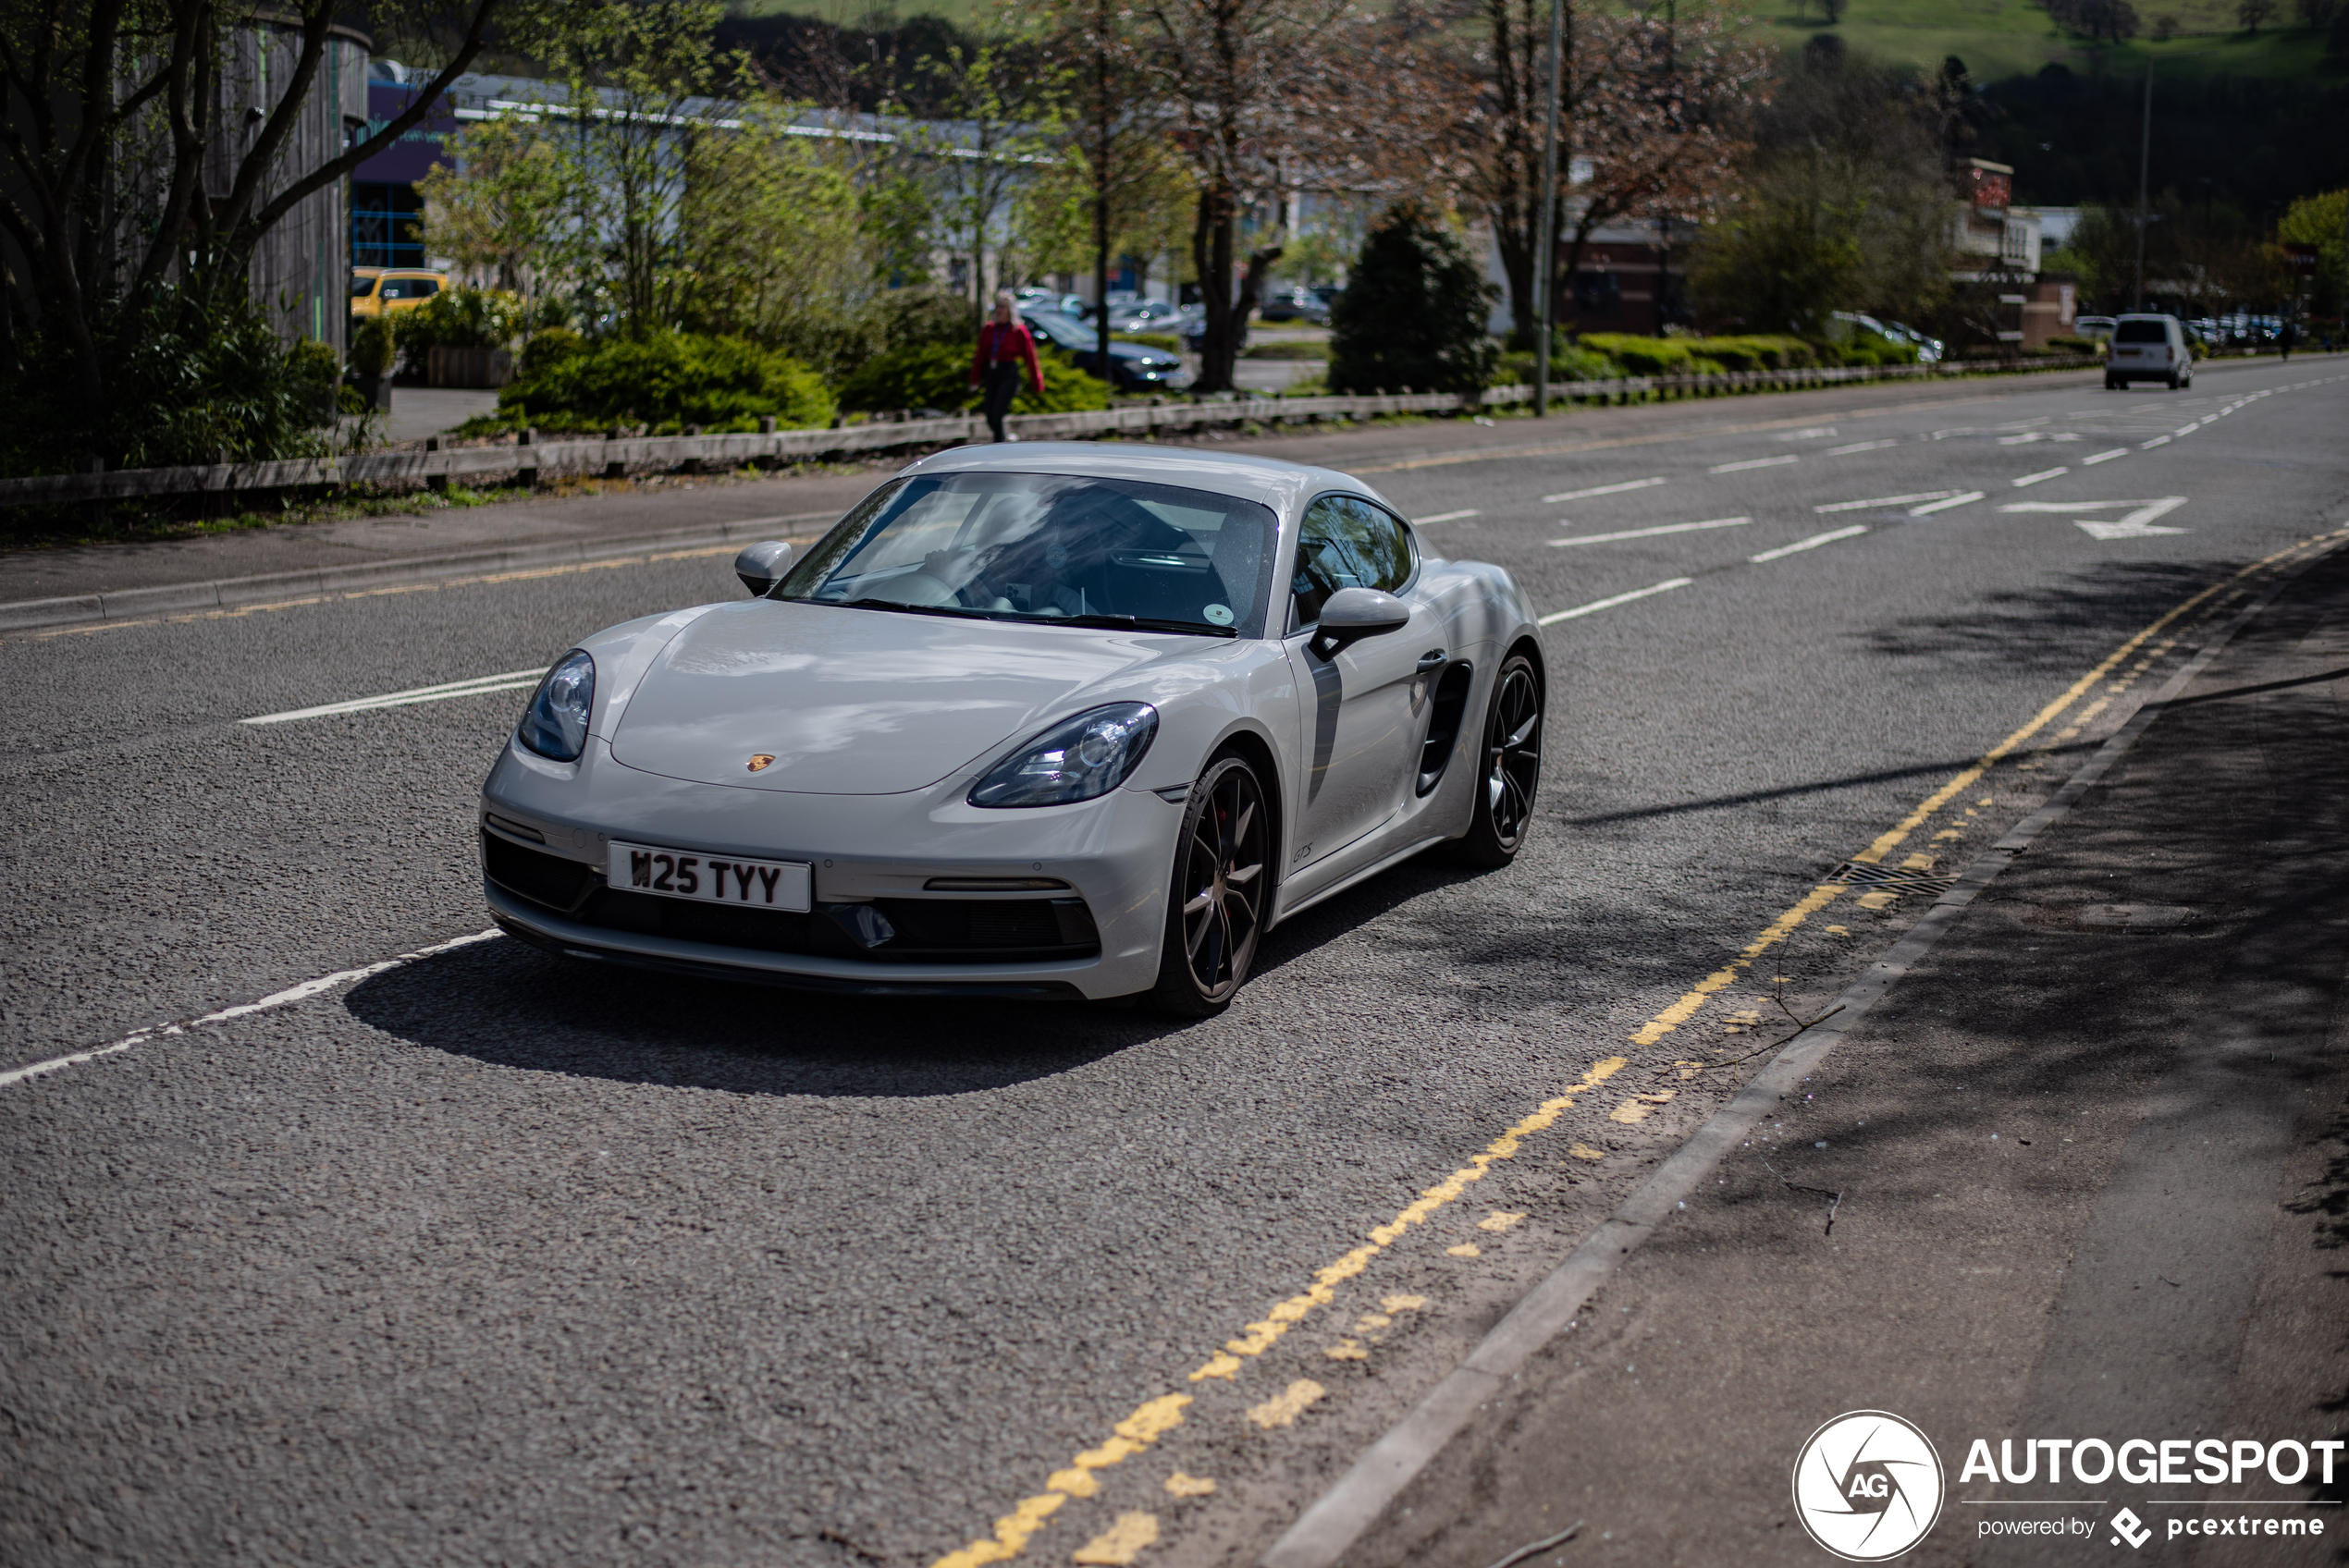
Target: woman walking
<point>1005,346</point>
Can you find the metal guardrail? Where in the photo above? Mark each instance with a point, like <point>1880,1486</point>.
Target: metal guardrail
<point>532,461</point>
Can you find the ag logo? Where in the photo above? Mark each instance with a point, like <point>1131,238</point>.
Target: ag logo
<point>1867,1486</point>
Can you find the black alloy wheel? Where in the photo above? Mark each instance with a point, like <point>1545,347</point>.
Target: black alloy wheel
<point>1512,767</point>
<point>1216,910</point>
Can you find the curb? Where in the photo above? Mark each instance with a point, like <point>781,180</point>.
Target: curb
<point>224,592</point>
<point>1347,1509</point>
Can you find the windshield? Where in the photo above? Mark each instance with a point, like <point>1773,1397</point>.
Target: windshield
<point>1036,547</point>
<point>2141,332</point>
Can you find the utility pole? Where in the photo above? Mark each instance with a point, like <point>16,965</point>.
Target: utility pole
<point>1100,192</point>
<point>1546,252</point>
<point>2144,168</point>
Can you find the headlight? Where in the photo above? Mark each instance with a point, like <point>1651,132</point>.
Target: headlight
<point>555,725</point>
<point>1090,755</point>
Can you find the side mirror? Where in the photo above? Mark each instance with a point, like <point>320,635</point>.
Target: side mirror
<point>1351,614</point>
<point>762,566</point>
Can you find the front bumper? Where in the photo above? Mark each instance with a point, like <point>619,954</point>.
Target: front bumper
<point>1097,935</point>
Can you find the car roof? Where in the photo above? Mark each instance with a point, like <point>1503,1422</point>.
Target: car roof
<point>1267,481</point>
<point>2147,316</point>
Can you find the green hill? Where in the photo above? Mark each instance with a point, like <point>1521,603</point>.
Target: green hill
<point>2008,38</point>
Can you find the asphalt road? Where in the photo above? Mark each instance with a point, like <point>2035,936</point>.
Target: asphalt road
<point>488,1260</point>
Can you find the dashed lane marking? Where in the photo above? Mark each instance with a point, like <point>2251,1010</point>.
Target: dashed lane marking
<point>290,995</point>
<point>1884,501</point>
<point>1755,462</point>
<point>1859,446</point>
<point>2104,457</point>
<point>1600,490</point>
<point>1597,605</point>
<point>1965,500</point>
<point>1450,516</point>
<point>1653,533</point>
<point>1812,543</point>
<point>512,680</point>
<point>530,575</point>
<point>2043,473</point>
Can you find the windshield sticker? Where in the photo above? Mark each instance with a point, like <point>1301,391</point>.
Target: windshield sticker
<point>1220,615</point>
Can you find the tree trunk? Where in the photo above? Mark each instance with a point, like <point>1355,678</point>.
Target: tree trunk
<point>1211,244</point>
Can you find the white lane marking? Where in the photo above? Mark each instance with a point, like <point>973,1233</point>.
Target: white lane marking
<point>2020,440</point>
<point>1601,490</point>
<point>1884,501</point>
<point>1651,532</point>
<point>1809,433</point>
<point>2104,457</point>
<point>1859,446</point>
<point>1812,543</point>
<point>1597,605</point>
<point>1967,499</point>
<point>291,994</point>
<point>1755,462</point>
<point>2043,473</point>
<point>1450,516</point>
<point>2137,524</point>
<point>512,680</point>
<point>2157,441</point>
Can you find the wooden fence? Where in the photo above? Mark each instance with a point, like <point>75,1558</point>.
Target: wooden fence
<point>532,459</point>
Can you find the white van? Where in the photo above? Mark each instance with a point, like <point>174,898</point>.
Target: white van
<point>2148,349</point>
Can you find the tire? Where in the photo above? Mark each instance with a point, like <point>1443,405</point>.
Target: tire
<point>2174,381</point>
<point>2113,383</point>
<point>1509,767</point>
<point>1215,907</point>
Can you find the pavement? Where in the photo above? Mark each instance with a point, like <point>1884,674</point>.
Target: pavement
<point>418,412</point>
<point>405,1248</point>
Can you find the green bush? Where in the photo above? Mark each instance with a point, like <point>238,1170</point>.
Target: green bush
<point>1757,351</point>
<point>667,382</point>
<point>1413,312</point>
<point>549,347</point>
<point>1642,355</point>
<point>923,317</point>
<point>2067,344</point>
<point>1567,364</point>
<point>374,346</point>
<point>937,376</point>
<point>1173,344</point>
<point>1290,350</point>
<point>458,318</point>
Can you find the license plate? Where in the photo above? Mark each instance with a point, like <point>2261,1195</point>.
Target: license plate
<point>712,879</point>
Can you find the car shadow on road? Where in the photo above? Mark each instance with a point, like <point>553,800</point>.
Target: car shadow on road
<point>2054,622</point>
<point>510,1005</point>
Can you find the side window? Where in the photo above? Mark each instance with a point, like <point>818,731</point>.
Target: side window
<point>1347,543</point>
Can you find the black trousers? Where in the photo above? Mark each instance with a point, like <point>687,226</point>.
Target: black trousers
<point>1000,385</point>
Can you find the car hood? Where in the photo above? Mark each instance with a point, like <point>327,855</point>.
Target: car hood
<point>852,702</point>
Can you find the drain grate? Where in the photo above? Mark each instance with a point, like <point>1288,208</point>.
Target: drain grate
<point>1860,874</point>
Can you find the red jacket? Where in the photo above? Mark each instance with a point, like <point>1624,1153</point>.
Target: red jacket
<point>1011,342</point>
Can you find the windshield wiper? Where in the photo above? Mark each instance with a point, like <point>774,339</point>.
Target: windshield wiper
<point>956,612</point>
<point>1142,623</point>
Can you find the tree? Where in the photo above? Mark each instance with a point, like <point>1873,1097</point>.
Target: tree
<point>2252,13</point>
<point>2322,220</point>
<point>1844,207</point>
<point>504,203</point>
<point>1413,310</point>
<point>1004,107</point>
<point>147,167</point>
<point>1268,94</point>
<point>1651,110</point>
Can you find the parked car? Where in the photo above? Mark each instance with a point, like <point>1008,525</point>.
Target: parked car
<point>1146,315</point>
<point>1024,724</point>
<point>2092,326</point>
<point>2148,348</point>
<point>1036,298</point>
<point>1134,367</point>
<point>379,290</point>
<point>1294,303</point>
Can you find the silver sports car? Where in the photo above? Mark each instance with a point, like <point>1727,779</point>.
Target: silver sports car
<point>1045,721</point>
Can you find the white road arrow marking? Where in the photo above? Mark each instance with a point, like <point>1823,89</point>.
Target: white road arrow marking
<point>2137,524</point>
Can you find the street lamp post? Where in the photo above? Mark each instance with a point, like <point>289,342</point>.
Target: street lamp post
<point>1545,249</point>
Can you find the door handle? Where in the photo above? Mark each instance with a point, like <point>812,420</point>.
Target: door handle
<point>1431,660</point>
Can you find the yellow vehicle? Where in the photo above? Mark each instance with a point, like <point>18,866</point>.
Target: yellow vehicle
<point>376,291</point>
